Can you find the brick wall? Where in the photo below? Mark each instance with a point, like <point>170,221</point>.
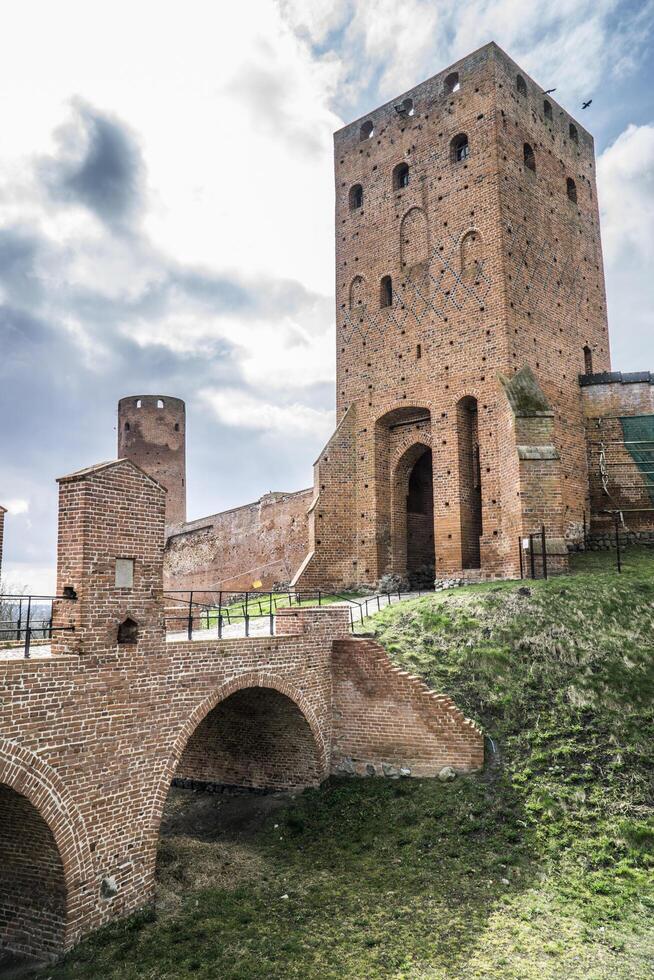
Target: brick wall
<point>386,719</point>
<point>261,542</point>
<point>93,736</point>
<point>493,269</point>
<point>32,884</point>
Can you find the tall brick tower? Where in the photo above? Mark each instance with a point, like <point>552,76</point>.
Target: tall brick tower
<point>469,298</point>
<point>152,434</point>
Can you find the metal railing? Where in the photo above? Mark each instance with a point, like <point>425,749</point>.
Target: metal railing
<point>25,618</point>
<point>204,610</point>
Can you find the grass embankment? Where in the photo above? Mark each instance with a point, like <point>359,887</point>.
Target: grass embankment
<point>539,868</point>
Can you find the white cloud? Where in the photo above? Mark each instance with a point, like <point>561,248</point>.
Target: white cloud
<point>16,506</point>
<point>573,44</point>
<point>242,410</point>
<point>625,174</point>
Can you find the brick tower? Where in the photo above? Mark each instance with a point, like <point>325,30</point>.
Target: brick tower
<point>152,434</point>
<point>469,298</point>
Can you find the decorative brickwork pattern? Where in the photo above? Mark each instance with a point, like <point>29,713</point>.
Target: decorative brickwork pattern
<point>474,265</point>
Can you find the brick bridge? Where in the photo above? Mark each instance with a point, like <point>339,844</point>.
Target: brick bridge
<point>93,733</point>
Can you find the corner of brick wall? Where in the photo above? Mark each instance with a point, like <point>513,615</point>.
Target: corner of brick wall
<point>387,720</point>
<point>330,620</point>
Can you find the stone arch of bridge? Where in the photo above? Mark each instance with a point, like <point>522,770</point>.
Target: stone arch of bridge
<point>250,681</point>
<point>55,866</point>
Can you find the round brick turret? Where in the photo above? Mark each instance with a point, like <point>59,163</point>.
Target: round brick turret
<point>152,434</point>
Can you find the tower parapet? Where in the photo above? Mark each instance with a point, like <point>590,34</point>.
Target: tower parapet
<point>152,434</point>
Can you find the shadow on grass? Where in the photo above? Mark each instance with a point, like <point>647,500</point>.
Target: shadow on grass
<point>360,878</point>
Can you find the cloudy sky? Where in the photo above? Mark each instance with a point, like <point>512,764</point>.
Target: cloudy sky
<point>166,214</point>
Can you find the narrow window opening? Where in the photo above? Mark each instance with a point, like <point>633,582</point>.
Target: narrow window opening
<point>547,110</point>
<point>400,176</point>
<point>459,148</point>
<point>452,83</point>
<point>572,130</point>
<point>386,292</point>
<point>366,131</point>
<point>356,197</point>
<point>588,360</point>
<point>418,351</point>
<point>160,404</point>
<point>176,426</point>
<point>138,403</point>
<point>126,426</point>
<point>572,190</point>
<point>529,157</point>
<point>521,85</point>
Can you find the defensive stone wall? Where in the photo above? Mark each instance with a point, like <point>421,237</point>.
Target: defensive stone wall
<point>255,546</point>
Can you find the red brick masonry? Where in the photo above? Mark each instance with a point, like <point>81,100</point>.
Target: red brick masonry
<point>93,735</point>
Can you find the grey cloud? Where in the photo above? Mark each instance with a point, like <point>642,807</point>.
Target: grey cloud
<point>19,252</point>
<point>67,354</point>
<point>265,92</point>
<point>100,167</point>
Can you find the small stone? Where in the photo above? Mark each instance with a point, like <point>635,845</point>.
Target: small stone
<point>447,774</point>
<point>404,771</point>
<point>370,770</point>
<point>346,767</point>
<point>284,896</point>
<point>505,881</point>
<point>389,770</point>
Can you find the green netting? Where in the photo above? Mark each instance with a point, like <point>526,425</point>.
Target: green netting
<point>638,433</point>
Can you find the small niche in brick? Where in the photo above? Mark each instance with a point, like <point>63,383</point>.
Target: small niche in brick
<point>128,631</point>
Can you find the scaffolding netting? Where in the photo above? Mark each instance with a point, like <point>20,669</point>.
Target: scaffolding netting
<point>638,431</point>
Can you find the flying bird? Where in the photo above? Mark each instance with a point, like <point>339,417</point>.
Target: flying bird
<point>548,91</point>
<point>586,104</point>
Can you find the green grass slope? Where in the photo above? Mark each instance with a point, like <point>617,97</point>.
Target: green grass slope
<point>541,867</point>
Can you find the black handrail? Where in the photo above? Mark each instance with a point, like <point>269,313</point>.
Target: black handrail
<point>25,625</point>
<point>194,608</point>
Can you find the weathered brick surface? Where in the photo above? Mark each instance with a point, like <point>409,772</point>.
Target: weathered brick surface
<point>93,736</point>
<point>263,542</point>
<point>493,268</point>
<point>152,434</point>
<point>384,716</point>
